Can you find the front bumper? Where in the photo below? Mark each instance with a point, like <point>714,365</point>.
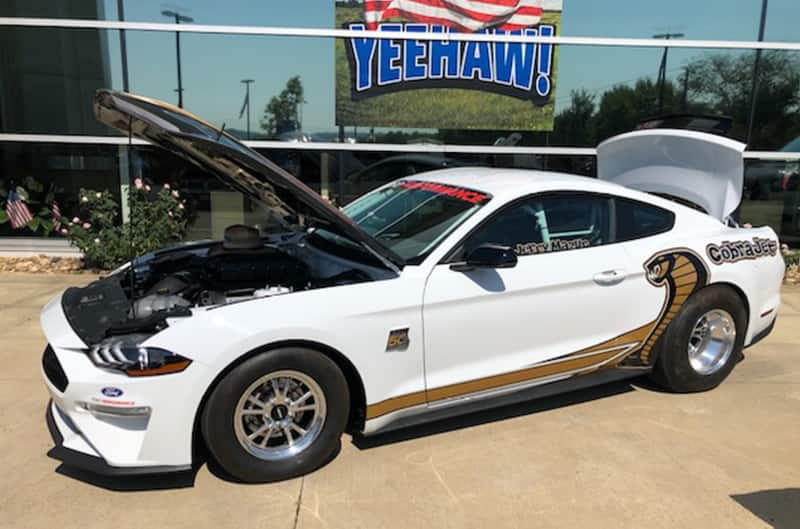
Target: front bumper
<point>111,423</point>
<point>149,426</point>
<point>87,461</point>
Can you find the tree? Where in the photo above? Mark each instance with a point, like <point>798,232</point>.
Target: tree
<point>575,124</point>
<point>282,112</point>
<point>622,107</point>
<point>723,81</point>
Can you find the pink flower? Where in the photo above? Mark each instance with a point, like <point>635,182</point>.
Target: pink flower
<point>86,225</point>
<point>175,194</point>
<point>166,186</point>
<point>180,206</point>
<point>76,220</point>
<point>84,199</point>
<point>64,231</point>
<point>137,183</point>
<point>147,188</point>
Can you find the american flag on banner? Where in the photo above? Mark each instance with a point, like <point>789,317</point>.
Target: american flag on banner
<point>18,213</point>
<point>462,15</point>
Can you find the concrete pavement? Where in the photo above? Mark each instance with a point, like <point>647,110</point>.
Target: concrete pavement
<point>617,456</point>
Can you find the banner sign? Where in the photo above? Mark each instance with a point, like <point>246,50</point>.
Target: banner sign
<point>447,84</point>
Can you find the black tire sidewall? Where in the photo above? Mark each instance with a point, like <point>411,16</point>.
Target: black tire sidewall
<point>218,423</point>
<point>673,369</point>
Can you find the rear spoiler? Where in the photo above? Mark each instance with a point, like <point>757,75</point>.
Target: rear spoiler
<point>703,169</point>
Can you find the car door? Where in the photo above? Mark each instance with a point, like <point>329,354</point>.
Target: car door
<point>557,313</point>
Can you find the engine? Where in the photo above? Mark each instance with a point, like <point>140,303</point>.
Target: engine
<point>239,267</point>
<point>169,283</point>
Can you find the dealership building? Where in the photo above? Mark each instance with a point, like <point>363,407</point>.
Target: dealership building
<point>363,110</point>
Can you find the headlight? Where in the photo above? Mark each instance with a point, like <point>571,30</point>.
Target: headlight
<point>124,353</point>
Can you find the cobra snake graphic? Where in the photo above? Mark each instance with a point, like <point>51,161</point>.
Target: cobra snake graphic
<point>681,272</point>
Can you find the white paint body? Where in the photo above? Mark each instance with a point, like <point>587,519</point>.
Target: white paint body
<point>462,326</point>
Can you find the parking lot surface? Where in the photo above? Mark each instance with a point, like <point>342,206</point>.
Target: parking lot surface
<point>616,456</point>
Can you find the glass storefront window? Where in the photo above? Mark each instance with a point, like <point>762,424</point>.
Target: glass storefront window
<point>55,173</point>
<point>772,197</point>
<point>771,192</point>
<point>49,75</point>
<point>48,78</point>
<point>596,98</point>
<point>712,19</point>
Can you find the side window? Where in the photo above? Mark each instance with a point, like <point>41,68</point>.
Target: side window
<point>547,223</point>
<point>515,226</point>
<point>635,220</point>
<point>574,221</point>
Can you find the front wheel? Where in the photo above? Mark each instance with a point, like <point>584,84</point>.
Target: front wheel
<point>703,343</point>
<point>277,415</point>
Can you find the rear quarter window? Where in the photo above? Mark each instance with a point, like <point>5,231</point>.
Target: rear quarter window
<point>635,220</point>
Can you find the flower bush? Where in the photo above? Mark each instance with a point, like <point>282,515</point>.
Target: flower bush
<point>157,217</point>
<point>791,257</point>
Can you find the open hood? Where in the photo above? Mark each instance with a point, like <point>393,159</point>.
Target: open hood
<point>701,168</point>
<point>238,166</point>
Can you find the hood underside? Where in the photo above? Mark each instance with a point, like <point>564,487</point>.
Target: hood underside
<point>235,164</point>
<point>701,168</point>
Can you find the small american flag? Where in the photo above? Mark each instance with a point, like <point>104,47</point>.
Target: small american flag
<point>462,15</point>
<point>56,216</point>
<point>18,213</point>
<point>244,105</point>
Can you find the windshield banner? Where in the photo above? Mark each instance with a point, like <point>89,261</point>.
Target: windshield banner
<point>447,84</point>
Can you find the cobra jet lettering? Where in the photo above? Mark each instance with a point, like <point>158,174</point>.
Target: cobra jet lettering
<point>734,251</point>
<point>520,70</point>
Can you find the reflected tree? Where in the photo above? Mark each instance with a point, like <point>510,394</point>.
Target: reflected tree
<point>717,84</point>
<point>575,125</point>
<point>723,82</point>
<point>282,113</point>
<point>622,107</point>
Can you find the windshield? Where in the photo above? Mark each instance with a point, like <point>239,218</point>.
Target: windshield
<point>412,217</point>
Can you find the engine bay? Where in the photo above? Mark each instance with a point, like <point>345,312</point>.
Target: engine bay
<point>170,283</point>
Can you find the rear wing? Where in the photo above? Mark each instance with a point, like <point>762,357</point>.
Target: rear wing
<point>702,169</point>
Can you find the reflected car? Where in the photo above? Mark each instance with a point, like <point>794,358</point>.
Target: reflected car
<point>391,168</point>
<point>438,294</point>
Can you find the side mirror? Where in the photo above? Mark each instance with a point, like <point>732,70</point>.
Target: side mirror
<point>487,256</point>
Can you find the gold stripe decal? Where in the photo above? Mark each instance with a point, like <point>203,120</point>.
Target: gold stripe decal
<point>680,272</point>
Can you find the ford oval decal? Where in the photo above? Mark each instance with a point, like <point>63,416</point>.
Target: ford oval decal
<point>111,392</point>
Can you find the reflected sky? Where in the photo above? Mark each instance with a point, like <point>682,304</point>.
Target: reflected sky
<point>213,65</point>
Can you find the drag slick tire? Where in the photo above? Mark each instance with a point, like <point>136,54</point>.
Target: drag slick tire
<point>703,343</point>
<point>277,415</point>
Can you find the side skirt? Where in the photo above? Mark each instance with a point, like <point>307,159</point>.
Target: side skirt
<point>439,410</point>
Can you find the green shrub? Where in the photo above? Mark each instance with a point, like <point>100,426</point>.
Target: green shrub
<point>157,218</point>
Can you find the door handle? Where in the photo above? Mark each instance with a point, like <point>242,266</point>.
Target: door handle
<point>610,277</point>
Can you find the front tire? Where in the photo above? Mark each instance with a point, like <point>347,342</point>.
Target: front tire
<point>277,415</point>
<point>703,343</point>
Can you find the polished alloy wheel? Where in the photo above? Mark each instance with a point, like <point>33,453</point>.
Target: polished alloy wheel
<point>712,341</point>
<point>280,415</point>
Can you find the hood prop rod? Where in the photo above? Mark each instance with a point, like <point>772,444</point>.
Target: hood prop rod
<point>130,217</point>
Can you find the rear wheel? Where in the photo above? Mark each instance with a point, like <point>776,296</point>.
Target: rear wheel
<point>277,415</point>
<point>703,343</point>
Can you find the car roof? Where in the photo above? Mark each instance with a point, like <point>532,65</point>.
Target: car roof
<point>500,182</point>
